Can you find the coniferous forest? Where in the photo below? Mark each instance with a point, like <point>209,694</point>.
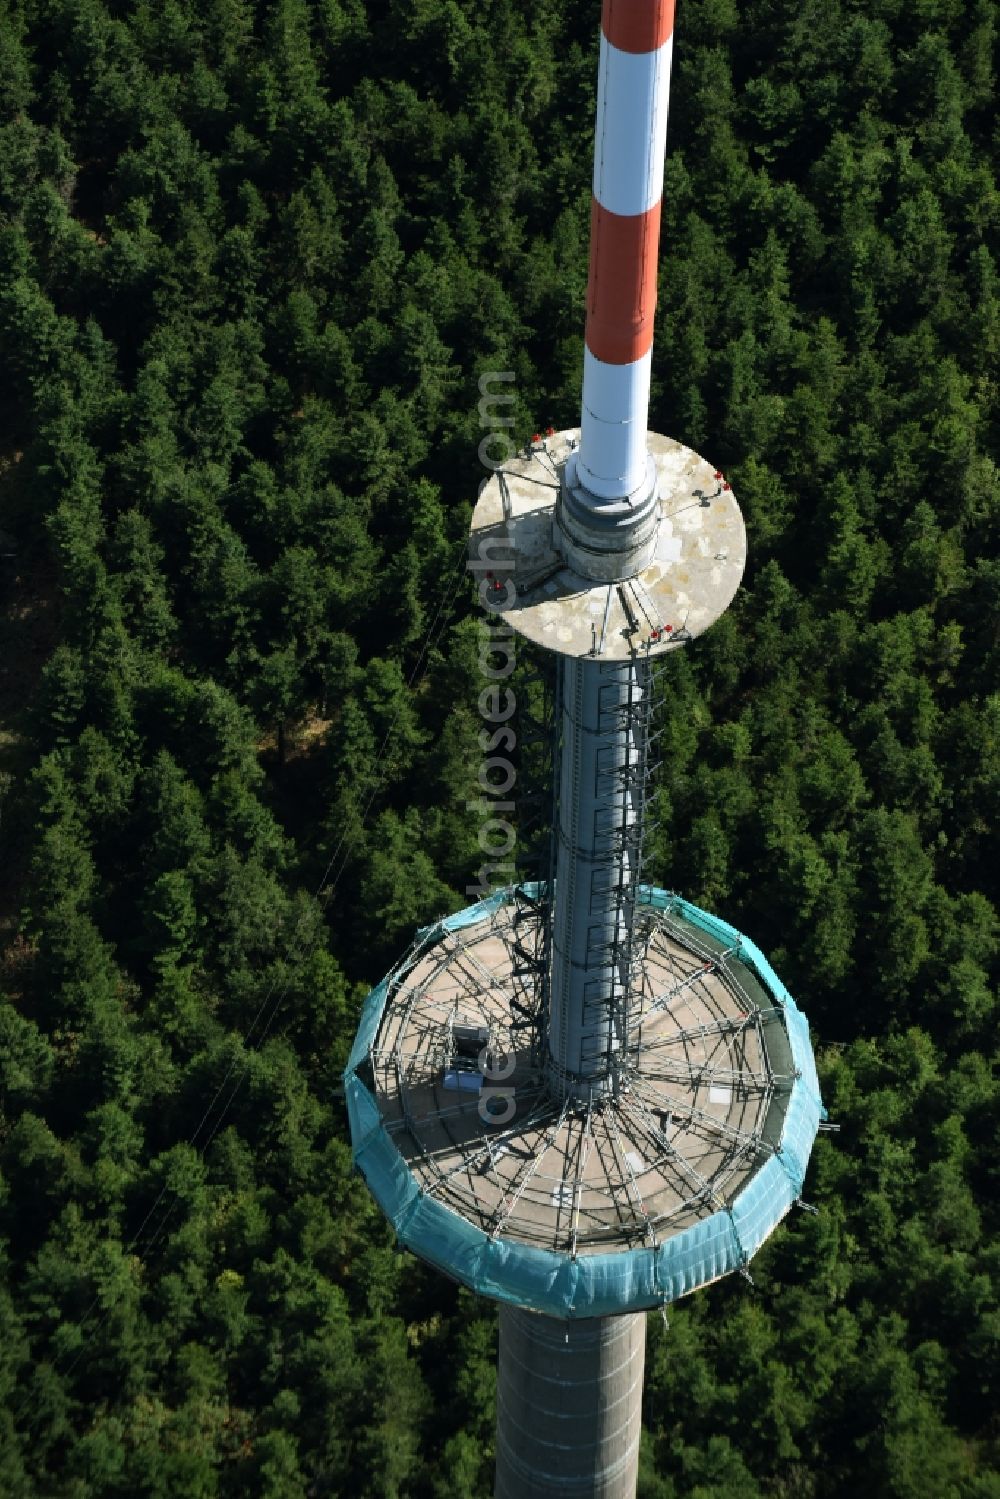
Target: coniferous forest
<point>255,256</point>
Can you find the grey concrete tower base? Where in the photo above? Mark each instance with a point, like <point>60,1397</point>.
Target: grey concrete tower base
<point>569,1406</point>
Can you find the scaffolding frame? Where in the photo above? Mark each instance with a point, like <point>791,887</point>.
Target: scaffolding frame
<point>568,1175</point>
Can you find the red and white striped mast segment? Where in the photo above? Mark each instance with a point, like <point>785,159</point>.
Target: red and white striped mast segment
<point>632,101</point>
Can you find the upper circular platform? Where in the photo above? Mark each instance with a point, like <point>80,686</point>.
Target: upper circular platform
<point>569,1207</point>
<point>694,573</point>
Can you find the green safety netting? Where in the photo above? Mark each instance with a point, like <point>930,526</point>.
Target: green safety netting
<point>591,1285</point>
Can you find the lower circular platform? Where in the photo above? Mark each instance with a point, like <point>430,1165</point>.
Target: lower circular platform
<point>691,579</point>
<point>569,1207</point>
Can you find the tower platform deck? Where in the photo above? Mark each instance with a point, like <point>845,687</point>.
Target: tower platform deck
<point>570,1206</point>
<point>700,555</point>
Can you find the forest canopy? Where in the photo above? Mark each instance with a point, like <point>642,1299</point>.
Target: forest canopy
<point>255,257</point>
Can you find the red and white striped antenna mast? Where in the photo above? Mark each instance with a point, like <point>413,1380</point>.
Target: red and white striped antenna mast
<point>632,101</point>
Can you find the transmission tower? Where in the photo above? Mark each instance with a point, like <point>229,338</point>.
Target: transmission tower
<point>585,1097</point>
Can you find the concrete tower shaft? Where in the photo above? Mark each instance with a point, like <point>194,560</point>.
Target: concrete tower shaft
<point>569,1406</point>
<point>602,764</point>
<point>569,1400</point>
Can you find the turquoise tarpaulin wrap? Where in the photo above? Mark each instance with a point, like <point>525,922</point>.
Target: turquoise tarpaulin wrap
<point>371,1014</point>
<point>591,1285</point>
